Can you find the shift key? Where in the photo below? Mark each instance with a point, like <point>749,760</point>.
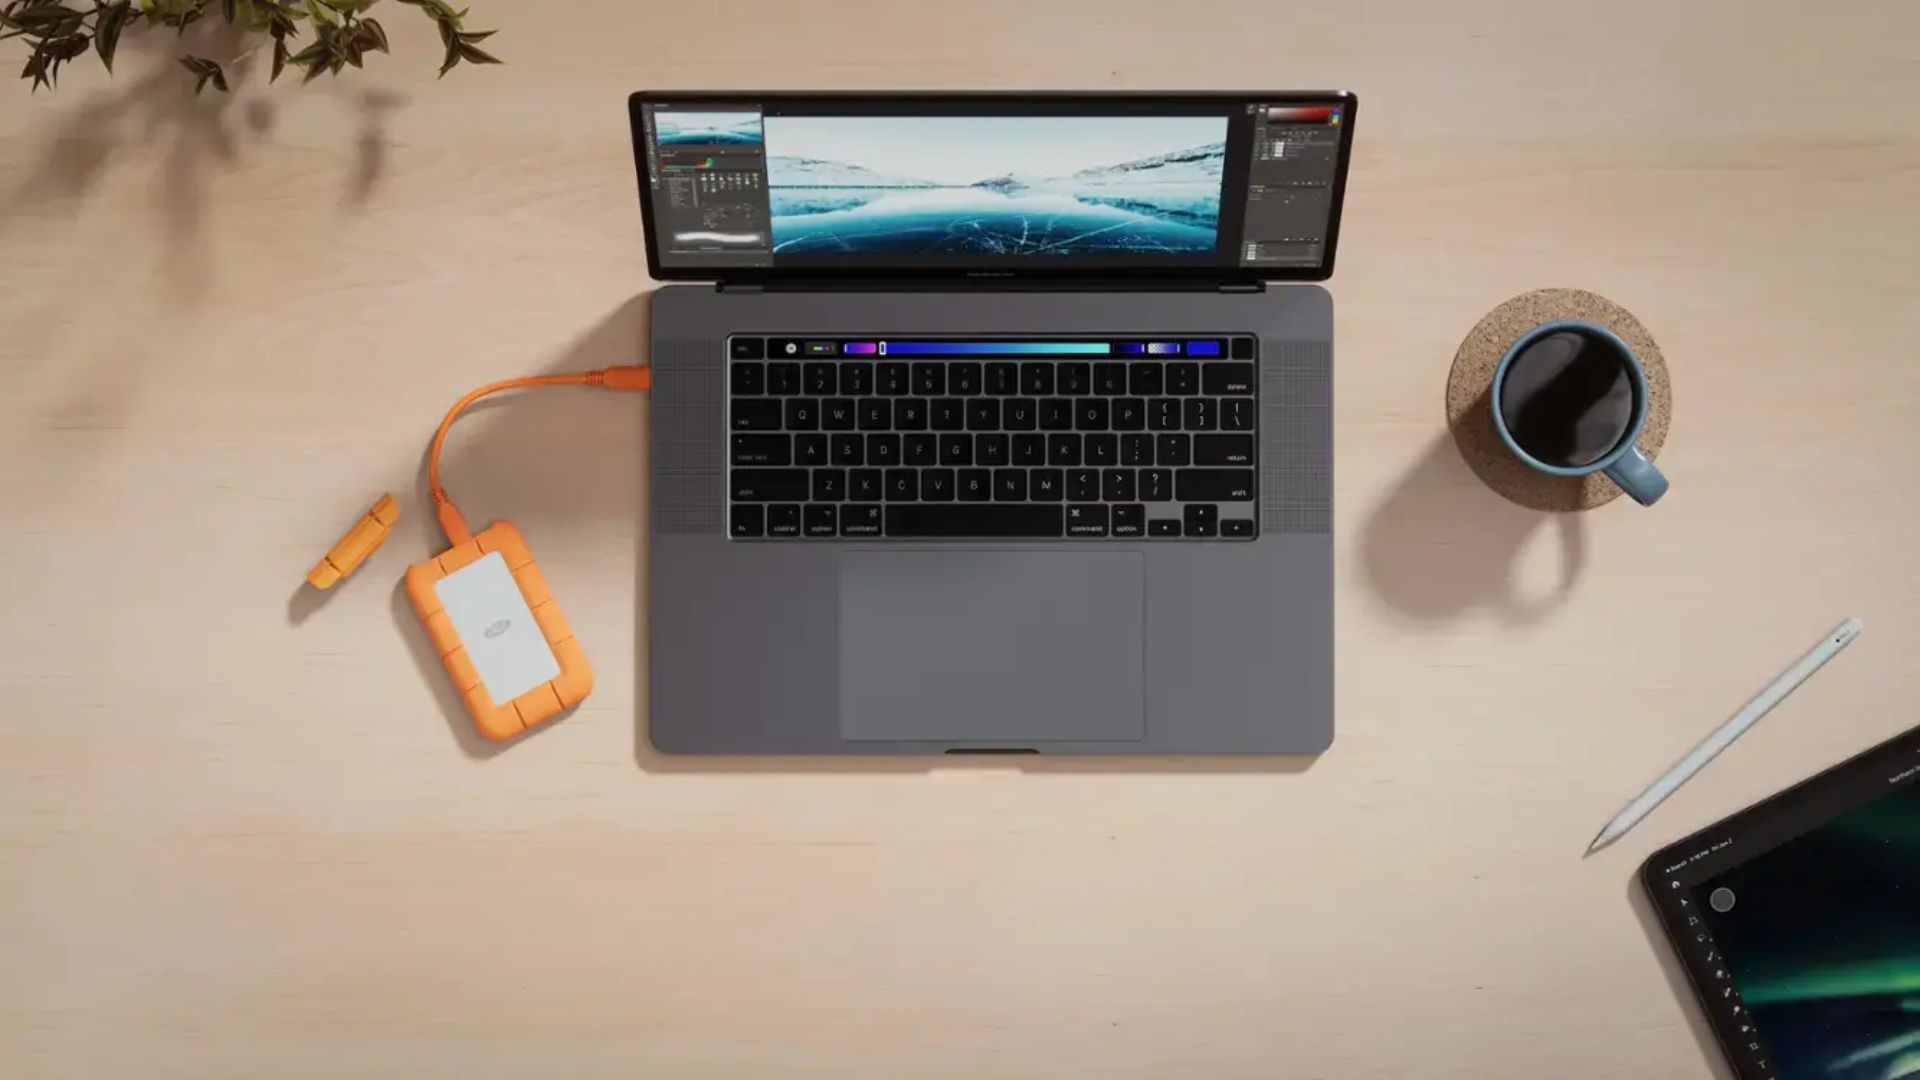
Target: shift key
<point>769,485</point>
<point>1212,485</point>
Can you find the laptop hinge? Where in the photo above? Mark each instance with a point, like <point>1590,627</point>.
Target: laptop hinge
<point>997,285</point>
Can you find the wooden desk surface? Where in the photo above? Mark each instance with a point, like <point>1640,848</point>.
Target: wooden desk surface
<point>240,835</point>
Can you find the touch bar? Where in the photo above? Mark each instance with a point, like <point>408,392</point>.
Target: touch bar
<point>995,348</point>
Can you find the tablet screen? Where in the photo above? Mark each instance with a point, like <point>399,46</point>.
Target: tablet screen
<point>1800,922</point>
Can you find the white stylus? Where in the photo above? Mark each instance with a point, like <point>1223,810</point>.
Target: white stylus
<point>1723,736</point>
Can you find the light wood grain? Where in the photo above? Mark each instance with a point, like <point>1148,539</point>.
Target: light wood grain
<point>240,835</point>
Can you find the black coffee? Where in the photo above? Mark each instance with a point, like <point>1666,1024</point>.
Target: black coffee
<point>1568,398</point>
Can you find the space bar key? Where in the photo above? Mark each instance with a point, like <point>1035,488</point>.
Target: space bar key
<point>1010,520</point>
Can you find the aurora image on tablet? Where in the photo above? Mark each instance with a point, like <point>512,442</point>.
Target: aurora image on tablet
<point>1823,944</point>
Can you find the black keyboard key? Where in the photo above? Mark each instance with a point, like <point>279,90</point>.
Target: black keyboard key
<point>783,520</point>
<point>829,485</point>
<point>1129,520</point>
<point>1091,414</point>
<point>964,377</point>
<point>1213,485</point>
<point>768,485</point>
<point>756,415</point>
<point>860,520</point>
<point>749,348</point>
<point>1163,414</point>
<point>1221,380</point>
<point>1237,528</point>
<point>1036,378</point>
<point>1003,379</point>
<point>856,379</point>
<point>1156,485</point>
<point>983,414</point>
<point>1164,527</point>
<point>847,450</point>
<point>875,414</point>
<point>783,379</point>
<point>749,519</point>
<point>1236,414</point>
<point>956,449</point>
<point>1056,414</point>
<point>1063,449</point>
<point>883,450</point>
<point>818,380</point>
<point>1223,449</point>
<point>1083,485</point>
<point>1102,449</point>
<point>1110,380</point>
<point>1146,380</point>
<point>1183,379</point>
<point>1029,449</point>
<point>1046,485</point>
<point>990,449</point>
<point>1129,414</point>
<point>762,450</point>
<point>863,485</point>
<point>1087,520</point>
<point>822,521</point>
<point>903,485</point>
<point>1136,449</point>
<point>1009,485</point>
<point>783,347</point>
<point>1076,378</point>
<point>803,414</point>
<point>1199,414</point>
<point>748,380</point>
<point>936,485</point>
<point>975,485</point>
<point>1116,485</point>
<point>949,414</point>
<point>836,414</point>
<point>809,449</point>
<point>910,414</point>
<point>1021,414</point>
<point>894,379</point>
<point>1242,348</point>
<point>1173,449</point>
<point>1012,520</point>
<point>1203,519</point>
<point>921,450</point>
<point>929,379</point>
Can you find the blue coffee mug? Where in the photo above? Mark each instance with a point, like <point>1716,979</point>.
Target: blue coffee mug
<point>1625,465</point>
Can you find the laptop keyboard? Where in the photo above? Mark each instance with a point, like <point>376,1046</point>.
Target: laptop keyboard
<point>1142,438</point>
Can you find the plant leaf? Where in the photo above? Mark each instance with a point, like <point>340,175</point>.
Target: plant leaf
<point>279,56</point>
<point>322,13</point>
<point>231,9</point>
<point>106,30</point>
<point>373,34</point>
<point>473,54</point>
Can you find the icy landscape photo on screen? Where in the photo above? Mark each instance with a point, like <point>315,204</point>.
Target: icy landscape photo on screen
<point>676,128</point>
<point>985,186</point>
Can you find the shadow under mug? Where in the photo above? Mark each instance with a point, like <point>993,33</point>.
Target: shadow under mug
<point>1625,464</point>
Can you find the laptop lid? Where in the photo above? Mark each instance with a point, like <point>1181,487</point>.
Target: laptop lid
<point>764,187</point>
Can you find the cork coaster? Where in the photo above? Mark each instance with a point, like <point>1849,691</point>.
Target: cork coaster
<point>1470,389</point>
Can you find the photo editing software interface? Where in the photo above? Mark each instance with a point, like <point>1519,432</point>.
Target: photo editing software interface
<point>758,186</point>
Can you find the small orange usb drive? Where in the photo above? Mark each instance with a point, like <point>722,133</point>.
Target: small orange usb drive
<point>362,540</point>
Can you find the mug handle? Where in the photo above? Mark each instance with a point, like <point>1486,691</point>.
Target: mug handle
<point>1638,477</point>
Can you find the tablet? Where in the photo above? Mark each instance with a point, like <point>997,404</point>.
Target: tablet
<point>1798,922</point>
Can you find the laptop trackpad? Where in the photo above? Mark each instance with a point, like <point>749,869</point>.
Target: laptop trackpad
<point>1006,647</point>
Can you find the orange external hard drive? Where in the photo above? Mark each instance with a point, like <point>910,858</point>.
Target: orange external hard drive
<point>497,628</point>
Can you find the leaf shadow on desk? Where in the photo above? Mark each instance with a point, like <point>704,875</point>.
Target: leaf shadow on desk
<point>1441,544</point>
<point>1676,977</point>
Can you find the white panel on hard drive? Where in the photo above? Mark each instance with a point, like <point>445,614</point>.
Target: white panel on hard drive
<point>492,618</point>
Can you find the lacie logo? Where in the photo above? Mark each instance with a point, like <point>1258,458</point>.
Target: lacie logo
<point>498,628</point>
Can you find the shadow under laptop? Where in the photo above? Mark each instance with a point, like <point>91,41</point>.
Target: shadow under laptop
<point>1676,977</point>
<point>1441,544</point>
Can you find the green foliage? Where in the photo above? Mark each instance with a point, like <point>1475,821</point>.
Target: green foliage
<point>343,33</point>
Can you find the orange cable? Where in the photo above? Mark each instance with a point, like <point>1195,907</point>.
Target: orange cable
<point>626,377</point>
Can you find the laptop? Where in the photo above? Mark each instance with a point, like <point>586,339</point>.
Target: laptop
<point>991,422</point>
